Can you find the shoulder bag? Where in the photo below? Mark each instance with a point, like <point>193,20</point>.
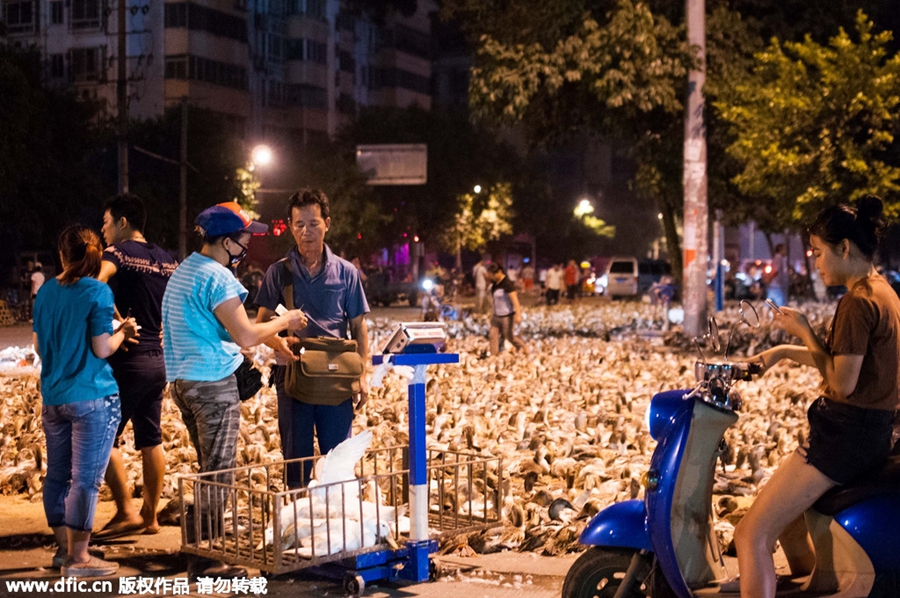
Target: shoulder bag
<point>328,369</point>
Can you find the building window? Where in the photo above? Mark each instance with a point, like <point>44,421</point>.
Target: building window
<point>57,66</point>
<point>344,21</point>
<point>176,15</point>
<point>84,14</point>
<point>307,50</point>
<point>276,93</point>
<point>275,48</point>
<point>85,64</point>
<point>57,9</point>
<point>306,96</point>
<point>176,67</point>
<point>197,68</point>
<point>20,17</point>
<point>200,18</point>
<point>314,9</point>
<point>392,77</point>
<point>346,104</point>
<point>346,63</point>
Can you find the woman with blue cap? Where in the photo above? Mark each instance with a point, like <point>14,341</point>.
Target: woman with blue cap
<point>204,328</point>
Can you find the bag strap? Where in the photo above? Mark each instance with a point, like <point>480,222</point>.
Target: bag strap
<point>288,278</point>
<point>288,288</point>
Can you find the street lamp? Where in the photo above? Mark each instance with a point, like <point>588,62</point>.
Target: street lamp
<point>477,189</point>
<point>261,155</point>
<point>584,208</point>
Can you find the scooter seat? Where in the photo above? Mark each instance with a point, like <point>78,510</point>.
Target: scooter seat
<point>883,481</point>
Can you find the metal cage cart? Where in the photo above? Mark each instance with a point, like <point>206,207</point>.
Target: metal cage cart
<point>383,525</point>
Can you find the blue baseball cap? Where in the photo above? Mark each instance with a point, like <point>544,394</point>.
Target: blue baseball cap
<point>226,218</point>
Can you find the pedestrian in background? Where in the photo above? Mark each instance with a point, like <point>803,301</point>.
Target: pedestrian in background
<point>507,311</point>
<point>73,335</point>
<point>205,326</point>
<point>480,274</point>
<point>554,283</point>
<point>137,272</point>
<point>572,278</point>
<point>328,288</point>
<point>778,281</point>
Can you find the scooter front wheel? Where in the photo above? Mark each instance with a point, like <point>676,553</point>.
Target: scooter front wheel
<point>599,572</point>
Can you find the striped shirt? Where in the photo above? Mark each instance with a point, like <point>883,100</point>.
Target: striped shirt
<point>195,344</point>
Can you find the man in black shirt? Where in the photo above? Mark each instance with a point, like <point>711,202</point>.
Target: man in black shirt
<point>137,272</point>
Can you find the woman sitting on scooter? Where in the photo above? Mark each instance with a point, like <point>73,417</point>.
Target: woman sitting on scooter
<point>850,423</point>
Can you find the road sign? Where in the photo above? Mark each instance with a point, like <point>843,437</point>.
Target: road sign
<point>394,164</point>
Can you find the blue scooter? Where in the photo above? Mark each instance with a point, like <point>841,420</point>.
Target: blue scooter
<point>665,546</point>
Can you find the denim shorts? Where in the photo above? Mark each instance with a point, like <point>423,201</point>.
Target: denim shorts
<point>846,441</point>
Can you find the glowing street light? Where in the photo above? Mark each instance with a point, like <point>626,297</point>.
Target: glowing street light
<point>261,155</point>
<point>584,208</point>
<point>477,189</point>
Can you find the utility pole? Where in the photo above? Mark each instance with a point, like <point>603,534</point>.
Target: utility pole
<point>695,179</point>
<point>182,186</point>
<point>122,100</point>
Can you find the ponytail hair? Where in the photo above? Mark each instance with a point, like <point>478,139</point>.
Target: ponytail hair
<point>81,252</point>
<point>862,225</point>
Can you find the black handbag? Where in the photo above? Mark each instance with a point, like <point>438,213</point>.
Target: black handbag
<point>249,380</point>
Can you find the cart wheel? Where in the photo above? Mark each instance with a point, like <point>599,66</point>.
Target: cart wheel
<point>354,584</point>
<point>435,571</point>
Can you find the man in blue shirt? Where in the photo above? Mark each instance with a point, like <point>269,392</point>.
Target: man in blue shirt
<point>329,291</point>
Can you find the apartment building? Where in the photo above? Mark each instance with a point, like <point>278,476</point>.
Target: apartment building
<point>278,67</point>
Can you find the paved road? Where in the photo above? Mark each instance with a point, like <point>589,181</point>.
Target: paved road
<point>26,547</point>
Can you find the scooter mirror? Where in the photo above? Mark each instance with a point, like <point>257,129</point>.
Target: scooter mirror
<point>714,340</point>
<point>749,315</point>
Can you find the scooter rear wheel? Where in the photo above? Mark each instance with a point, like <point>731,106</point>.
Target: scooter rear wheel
<point>599,572</point>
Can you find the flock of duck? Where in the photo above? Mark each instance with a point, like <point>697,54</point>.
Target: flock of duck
<point>565,419</point>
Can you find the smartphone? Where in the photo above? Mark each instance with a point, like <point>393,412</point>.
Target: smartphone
<point>771,304</point>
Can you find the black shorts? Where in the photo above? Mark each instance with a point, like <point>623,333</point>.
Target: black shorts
<point>142,379</point>
<point>846,441</point>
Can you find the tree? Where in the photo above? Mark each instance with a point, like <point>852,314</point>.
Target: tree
<point>814,125</point>
<point>600,74</point>
<point>480,218</point>
<point>460,156</point>
<point>51,157</point>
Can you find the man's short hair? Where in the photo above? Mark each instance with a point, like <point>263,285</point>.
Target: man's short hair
<point>308,196</point>
<point>494,267</point>
<point>127,206</point>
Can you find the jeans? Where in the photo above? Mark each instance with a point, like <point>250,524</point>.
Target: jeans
<point>79,439</point>
<point>299,422</point>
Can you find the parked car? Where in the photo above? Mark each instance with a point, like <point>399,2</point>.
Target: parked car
<point>622,277</point>
<point>629,276</point>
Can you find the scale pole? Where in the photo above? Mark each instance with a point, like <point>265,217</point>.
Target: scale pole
<point>418,457</point>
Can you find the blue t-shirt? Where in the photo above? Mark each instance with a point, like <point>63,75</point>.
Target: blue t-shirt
<point>196,346</point>
<point>65,320</point>
<point>330,299</point>
<point>142,271</point>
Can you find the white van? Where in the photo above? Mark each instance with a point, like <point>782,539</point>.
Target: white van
<point>622,277</point>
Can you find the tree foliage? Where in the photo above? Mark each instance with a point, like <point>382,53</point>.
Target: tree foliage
<point>814,125</point>
<point>480,218</point>
<point>51,157</point>
<point>604,70</point>
<point>460,156</point>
